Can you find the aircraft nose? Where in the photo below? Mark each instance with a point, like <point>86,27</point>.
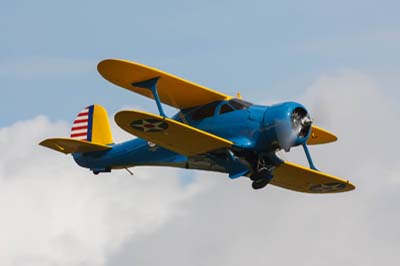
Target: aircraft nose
<point>287,125</point>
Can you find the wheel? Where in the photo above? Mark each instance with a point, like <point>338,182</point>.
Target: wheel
<point>260,183</point>
<point>260,174</point>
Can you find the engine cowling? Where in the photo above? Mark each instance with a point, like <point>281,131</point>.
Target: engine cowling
<point>286,125</point>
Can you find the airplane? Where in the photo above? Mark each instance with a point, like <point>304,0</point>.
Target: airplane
<point>212,131</point>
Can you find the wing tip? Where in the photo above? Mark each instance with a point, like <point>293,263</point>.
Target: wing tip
<point>330,188</point>
<point>303,179</point>
<point>321,136</point>
<point>350,186</point>
<point>51,144</point>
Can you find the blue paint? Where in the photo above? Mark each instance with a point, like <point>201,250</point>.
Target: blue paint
<point>253,130</point>
<point>152,85</point>
<point>277,126</point>
<point>130,153</point>
<point>235,126</point>
<point>238,172</point>
<point>309,159</point>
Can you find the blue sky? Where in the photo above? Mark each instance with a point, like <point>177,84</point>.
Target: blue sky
<point>264,49</point>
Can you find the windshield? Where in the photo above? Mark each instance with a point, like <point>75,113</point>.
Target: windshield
<point>204,111</point>
<point>239,104</point>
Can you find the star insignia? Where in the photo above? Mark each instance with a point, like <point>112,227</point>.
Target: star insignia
<point>149,125</point>
<point>329,187</point>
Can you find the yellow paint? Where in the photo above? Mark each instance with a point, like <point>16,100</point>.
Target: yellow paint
<point>320,136</point>
<point>298,178</point>
<point>66,145</point>
<point>178,137</point>
<point>101,131</point>
<point>172,90</point>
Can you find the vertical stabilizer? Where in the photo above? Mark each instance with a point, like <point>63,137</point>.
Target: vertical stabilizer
<point>92,125</point>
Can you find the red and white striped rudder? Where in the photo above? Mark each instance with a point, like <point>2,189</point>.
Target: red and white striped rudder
<point>80,128</point>
<point>92,125</point>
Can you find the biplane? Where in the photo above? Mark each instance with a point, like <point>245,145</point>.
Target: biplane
<point>212,131</point>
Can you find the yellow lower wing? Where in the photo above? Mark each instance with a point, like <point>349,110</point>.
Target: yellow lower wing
<point>320,136</point>
<point>296,177</point>
<point>172,90</point>
<point>67,146</point>
<point>168,133</point>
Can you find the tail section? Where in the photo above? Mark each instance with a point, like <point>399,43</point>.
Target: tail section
<point>92,125</point>
<point>90,132</point>
<point>67,146</point>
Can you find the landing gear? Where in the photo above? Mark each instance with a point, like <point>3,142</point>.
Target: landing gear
<point>261,167</point>
<point>260,183</point>
<point>262,176</point>
<point>97,171</point>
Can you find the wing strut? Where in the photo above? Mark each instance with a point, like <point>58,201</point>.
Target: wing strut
<point>151,84</point>
<point>309,159</point>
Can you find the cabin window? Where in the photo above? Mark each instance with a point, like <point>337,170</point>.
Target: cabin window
<point>226,108</point>
<point>204,111</point>
<point>239,104</point>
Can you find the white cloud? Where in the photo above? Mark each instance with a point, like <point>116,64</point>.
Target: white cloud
<point>55,213</point>
<point>229,224</point>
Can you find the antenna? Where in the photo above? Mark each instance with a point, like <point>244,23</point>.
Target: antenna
<point>129,171</point>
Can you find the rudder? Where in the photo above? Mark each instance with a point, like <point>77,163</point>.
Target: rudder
<point>92,124</point>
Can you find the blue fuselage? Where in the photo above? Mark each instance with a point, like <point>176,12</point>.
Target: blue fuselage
<point>255,131</point>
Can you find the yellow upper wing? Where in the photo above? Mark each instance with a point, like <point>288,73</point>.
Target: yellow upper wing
<point>168,133</point>
<point>172,90</point>
<point>320,136</point>
<point>296,177</point>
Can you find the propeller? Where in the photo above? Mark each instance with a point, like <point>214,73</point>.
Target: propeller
<point>295,132</point>
<point>301,122</point>
<point>287,125</point>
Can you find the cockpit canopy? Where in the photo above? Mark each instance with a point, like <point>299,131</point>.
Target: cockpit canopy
<point>209,110</point>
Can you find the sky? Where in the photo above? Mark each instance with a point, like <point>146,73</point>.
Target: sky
<point>339,58</point>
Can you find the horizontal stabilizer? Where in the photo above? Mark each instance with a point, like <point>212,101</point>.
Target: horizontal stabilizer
<point>320,136</point>
<point>168,133</point>
<point>172,90</point>
<point>67,146</point>
<point>298,178</point>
